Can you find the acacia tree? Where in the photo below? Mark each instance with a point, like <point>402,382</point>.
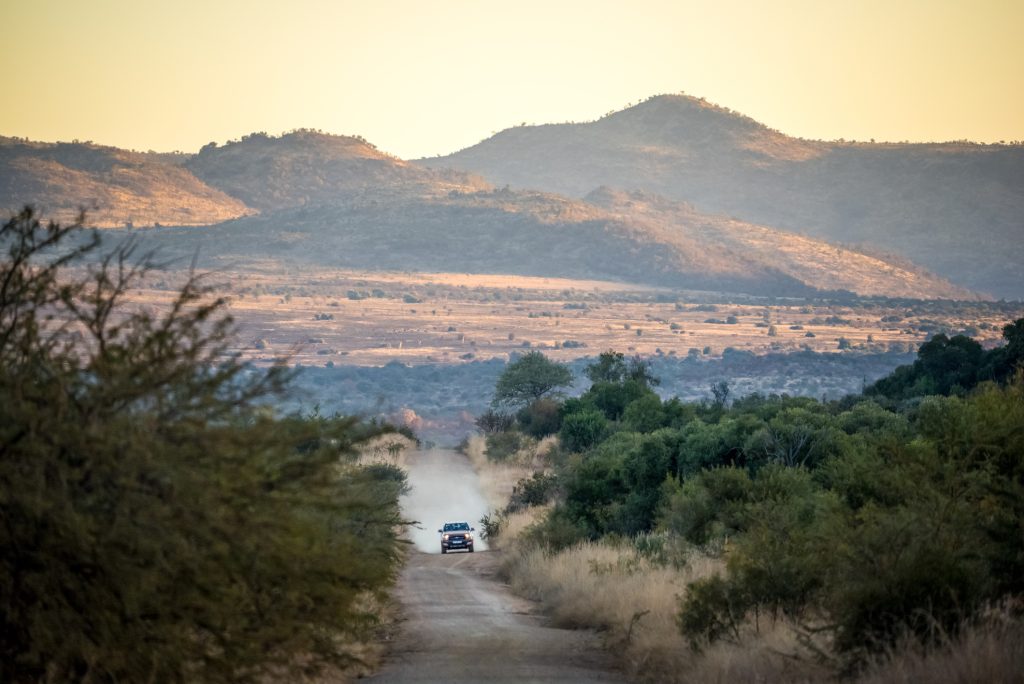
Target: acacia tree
<point>157,522</point>
<point>612,367</point>
<point>531,377</point>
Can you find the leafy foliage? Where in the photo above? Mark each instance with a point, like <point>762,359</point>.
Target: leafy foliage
<point>864,519</point>
<point>158,522</point>
<point>529,378</point>
<point>583,429</point>
<point>953,365</point>
<point>540,418</point>
<point>504,445</point>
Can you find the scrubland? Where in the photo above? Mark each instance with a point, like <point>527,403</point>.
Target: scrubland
<point>625,590</point>
<point>630,590</point>
<point>387,343</point>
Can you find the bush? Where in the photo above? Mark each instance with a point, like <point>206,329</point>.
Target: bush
<point>710,506</point>
<point>503,445</point>
<point>490,525</point>
<point>490,422</point>
<point>160,524</point>
<point>644,414</point>
<point>711,609</point>
<point>583,429</point>
<point>557,531</point>
<point>535,490</point>
<point>540,418</point>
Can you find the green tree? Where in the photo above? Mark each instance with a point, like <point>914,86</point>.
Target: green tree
<point>946,365</point>
<point>529,378</point>
<point>609,367</point>
<point>1003,361</point>
<point>612,398</point>
<point>639,370</point>
<point>644,414</point>
<point>157,522</point>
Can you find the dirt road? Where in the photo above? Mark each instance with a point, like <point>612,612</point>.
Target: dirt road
<point>461,624</point>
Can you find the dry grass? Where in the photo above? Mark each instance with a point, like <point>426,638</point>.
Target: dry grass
<point>505,281</point>
<point>514,524</point>
<point>633,602</point>
<point>577,584</point>
<point>611,588</point>
<point>277,313</point>
<point>391,449</point>
<point>989,653</point>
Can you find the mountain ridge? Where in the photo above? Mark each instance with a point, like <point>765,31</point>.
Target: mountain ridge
<point>956,208</point>
<point>314,195</point>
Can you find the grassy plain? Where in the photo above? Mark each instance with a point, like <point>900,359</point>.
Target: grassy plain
<point>372,318</point>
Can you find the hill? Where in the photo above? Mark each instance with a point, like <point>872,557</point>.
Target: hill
<point>955,208</point>
<point>634,239</point>
<point>308,167</point>
<point>243,177</point>
<point>339,201</point>
<point>117,187</point>
<point>815,263</point>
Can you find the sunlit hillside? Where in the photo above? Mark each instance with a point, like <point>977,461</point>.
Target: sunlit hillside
<point>337,201</point>
<point>117,187</point>
<point>955,208</point>
<point>540,234</point>
<point>308,167</point>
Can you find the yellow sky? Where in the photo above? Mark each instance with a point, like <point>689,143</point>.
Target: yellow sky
<point>423,77</point>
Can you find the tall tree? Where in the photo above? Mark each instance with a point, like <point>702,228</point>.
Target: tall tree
<point>610,366</point>
<point>529,378</point>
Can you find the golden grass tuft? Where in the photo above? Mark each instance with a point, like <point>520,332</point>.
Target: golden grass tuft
<point>514,524</point>
<point>991,652</point>
<point>392,449</point>
<point>611,588</point>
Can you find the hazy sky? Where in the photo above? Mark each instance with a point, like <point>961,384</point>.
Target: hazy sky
<point>422,77</point>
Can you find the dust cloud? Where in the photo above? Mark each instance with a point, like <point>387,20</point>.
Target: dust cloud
<point>444,488</point>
